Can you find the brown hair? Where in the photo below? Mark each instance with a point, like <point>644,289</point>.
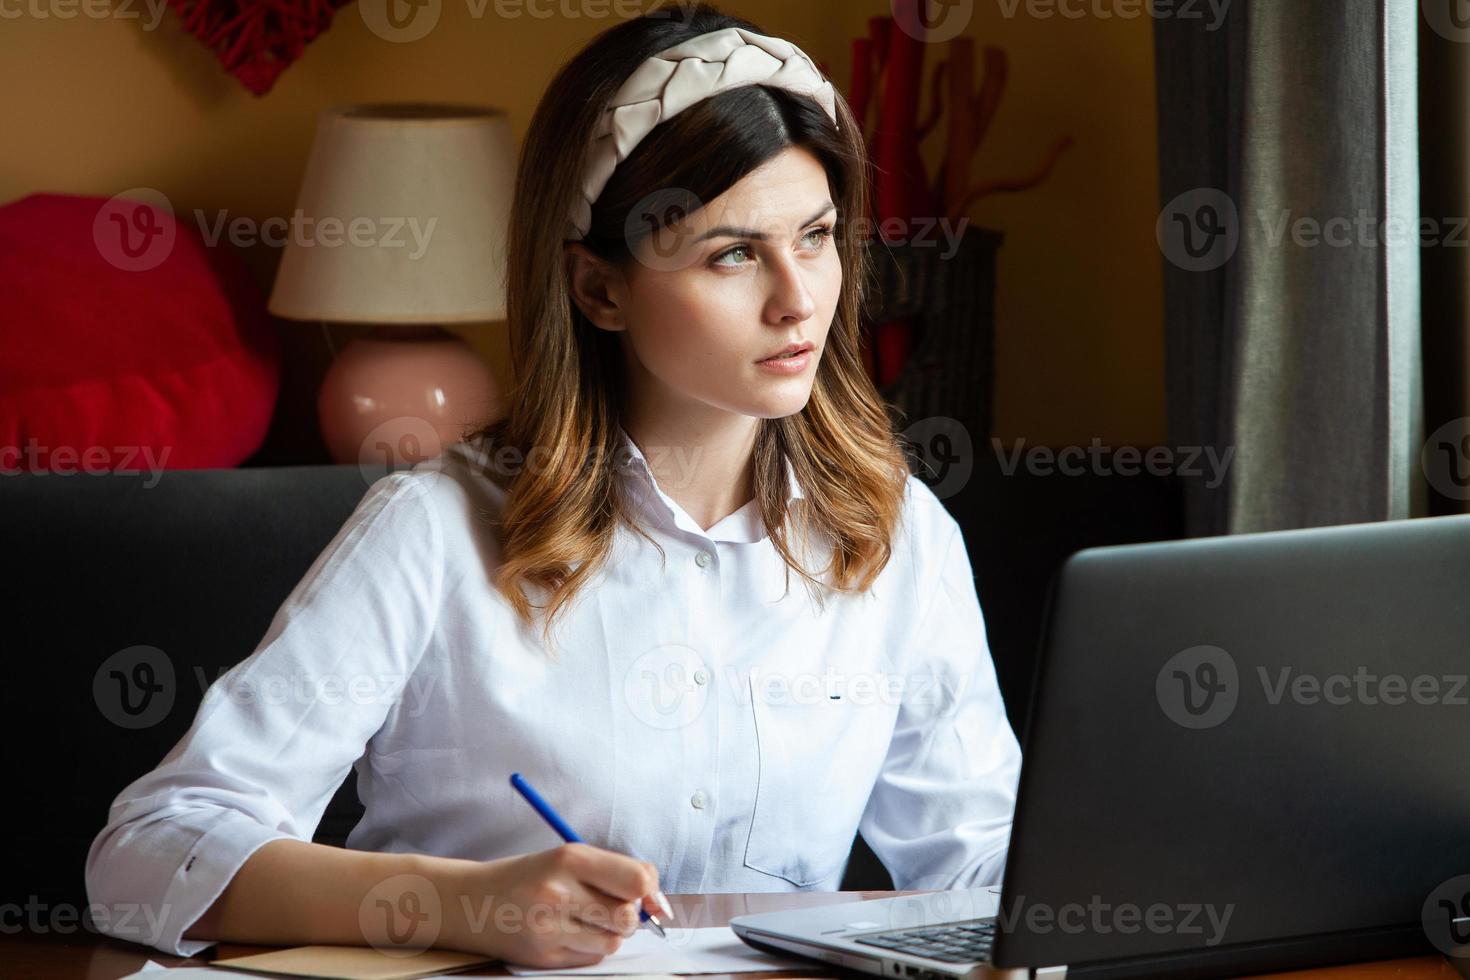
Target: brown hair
<point>560,515</point>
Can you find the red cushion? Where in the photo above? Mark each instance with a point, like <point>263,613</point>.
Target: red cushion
<point>141,352</point>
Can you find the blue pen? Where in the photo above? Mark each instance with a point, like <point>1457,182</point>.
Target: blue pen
<point>569,835</point>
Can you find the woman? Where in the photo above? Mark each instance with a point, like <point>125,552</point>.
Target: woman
<point>595,590</point>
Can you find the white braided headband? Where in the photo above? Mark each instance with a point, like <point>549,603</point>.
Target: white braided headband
<point>673,80</point>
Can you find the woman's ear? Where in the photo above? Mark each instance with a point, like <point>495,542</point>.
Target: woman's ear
<point>596,286</point>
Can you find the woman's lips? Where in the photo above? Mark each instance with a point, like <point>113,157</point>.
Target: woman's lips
<point>787,365</point>
<point>792,348</point>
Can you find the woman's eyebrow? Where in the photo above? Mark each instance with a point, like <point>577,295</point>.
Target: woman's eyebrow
<point>726,230</point>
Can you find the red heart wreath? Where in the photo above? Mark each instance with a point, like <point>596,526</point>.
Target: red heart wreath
<point>256,40</point>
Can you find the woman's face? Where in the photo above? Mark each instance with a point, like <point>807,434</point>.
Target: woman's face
<point>710,300</point>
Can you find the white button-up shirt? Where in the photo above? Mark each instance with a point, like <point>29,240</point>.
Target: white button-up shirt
<point>694,718</point>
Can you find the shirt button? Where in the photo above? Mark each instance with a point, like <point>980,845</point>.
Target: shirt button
<point>701,676</point>
<point>703,559</point>
<point>698,799</point>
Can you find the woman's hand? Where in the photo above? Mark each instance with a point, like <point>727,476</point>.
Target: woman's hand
<point>565,907</point>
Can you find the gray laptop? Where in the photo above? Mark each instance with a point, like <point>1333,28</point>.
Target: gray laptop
<point>1244,753</point>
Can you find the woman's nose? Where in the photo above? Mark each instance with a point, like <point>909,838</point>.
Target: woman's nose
<point>791,298</point>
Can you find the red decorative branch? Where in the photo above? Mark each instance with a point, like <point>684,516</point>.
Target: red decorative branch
<point>256,40</point>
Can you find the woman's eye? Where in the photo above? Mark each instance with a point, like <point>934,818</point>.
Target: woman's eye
<point>734,251</point>
<point>822,234</point>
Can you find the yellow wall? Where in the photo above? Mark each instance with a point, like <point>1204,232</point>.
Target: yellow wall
<point>1079,306</point>
<point>97,105</point>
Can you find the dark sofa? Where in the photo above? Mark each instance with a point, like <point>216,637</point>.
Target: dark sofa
<point>196,563</point>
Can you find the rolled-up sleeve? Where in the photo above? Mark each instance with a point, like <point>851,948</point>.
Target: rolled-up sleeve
<point>275,735</point>
<point>939,815</point>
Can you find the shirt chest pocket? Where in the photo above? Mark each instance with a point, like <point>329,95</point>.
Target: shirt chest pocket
<point>818,757</point>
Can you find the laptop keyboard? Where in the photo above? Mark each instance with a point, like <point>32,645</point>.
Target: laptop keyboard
<point>953,942</point>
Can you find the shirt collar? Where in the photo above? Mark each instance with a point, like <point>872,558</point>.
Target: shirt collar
<point>743,526</point>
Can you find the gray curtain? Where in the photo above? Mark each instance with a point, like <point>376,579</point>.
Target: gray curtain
<point>1288,162</point>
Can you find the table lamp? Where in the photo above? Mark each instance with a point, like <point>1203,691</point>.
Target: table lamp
<point>400,225</point>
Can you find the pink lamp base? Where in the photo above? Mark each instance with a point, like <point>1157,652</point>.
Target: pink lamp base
<point>402,395</point>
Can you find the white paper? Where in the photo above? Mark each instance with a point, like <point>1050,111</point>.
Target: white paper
<point>706,950</point>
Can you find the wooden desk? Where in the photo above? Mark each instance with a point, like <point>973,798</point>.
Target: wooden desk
<point>85,955</point>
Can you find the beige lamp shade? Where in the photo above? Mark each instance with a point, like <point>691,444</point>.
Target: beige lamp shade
<point>401,217</point>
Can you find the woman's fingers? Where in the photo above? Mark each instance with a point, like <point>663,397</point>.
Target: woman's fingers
<point>662,911</point>
<point>592,910</point>
<point>618,875</point>
<point>597,897</point>
<point>591,940</point>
